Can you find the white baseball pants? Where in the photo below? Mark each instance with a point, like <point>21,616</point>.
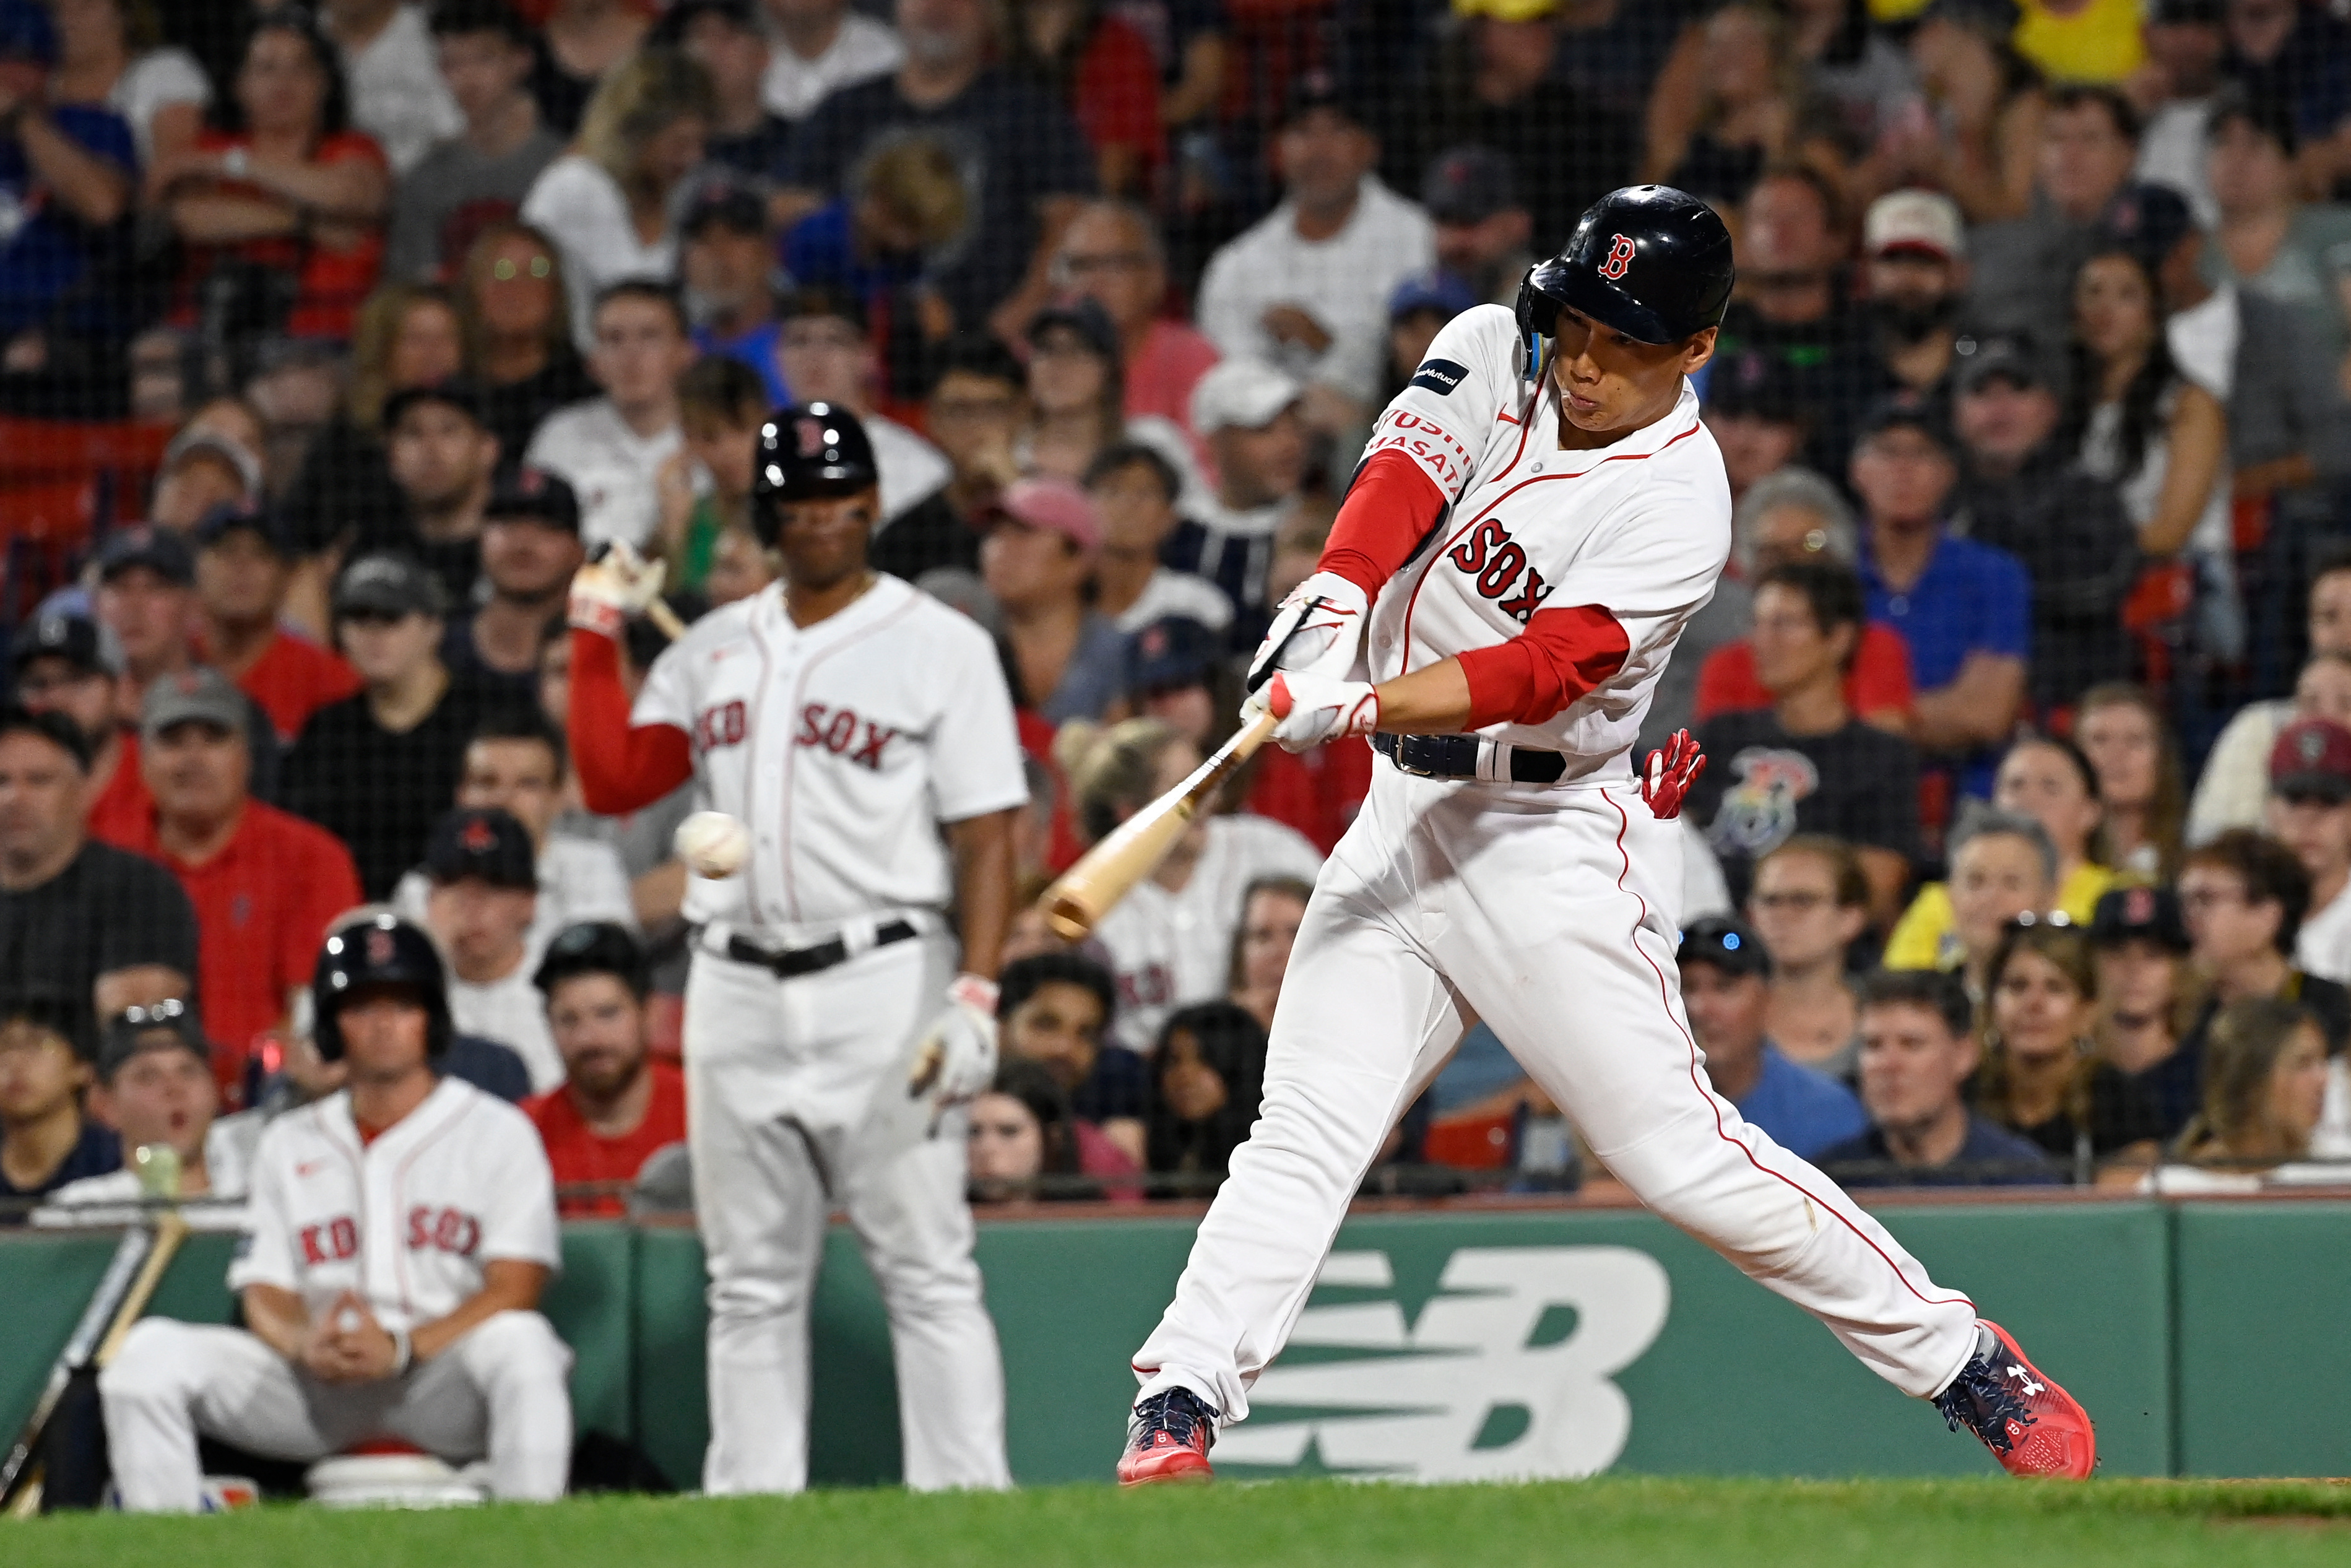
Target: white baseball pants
<point>796,1101</point>
<point>1552,915</point>
<point>500,1391</point>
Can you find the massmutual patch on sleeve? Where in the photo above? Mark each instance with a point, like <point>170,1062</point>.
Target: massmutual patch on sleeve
<point>1440,376</point>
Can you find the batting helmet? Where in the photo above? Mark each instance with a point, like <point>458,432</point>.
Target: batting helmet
<point>809,454</point>
<point>1650,261</point>
<point>382,951</point>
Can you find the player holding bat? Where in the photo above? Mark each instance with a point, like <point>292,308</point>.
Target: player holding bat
<point>1539,514</point>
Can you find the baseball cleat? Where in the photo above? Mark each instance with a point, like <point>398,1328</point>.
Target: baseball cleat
<point>2032,1427</point>
<point>1167,1439</point>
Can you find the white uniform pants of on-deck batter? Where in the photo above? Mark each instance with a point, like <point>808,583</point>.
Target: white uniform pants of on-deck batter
<point>1550,914</point>
<point>499,1392</point>
<point>795,1104</point>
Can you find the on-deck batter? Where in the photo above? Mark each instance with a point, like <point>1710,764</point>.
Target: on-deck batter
<point>830,1036</point>
<point>1537,515</point>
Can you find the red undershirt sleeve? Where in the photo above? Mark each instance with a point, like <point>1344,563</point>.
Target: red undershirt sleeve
<point>1537,674</point>
<point>1389,509</point>
<point>622,767</point>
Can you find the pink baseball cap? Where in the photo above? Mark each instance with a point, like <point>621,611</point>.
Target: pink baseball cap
<point>1057,507</point>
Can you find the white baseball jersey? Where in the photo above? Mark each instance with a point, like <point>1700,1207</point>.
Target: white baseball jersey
<point>841,746</point>
<point>405,1221</point>
<point>1640,528</point>
<point>615,471</point>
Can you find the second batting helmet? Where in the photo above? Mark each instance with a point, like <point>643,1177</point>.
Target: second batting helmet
<point>808,454</point>
<point>383,950</point>
<point>1650,261</point>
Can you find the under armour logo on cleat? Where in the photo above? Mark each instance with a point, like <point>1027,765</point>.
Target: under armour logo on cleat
<point>2025,1377</point>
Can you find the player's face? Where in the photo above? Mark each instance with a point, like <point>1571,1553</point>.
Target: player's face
<point>1268,930</point>
<point>1911,1065</point>
<point>2137,979</point>
<point>1006,1143</point>
<point>822,543</point>
<point>1794,905</point>
<point>525,559</point>
<point>2043,783</point>
<point>1995,877</point>
<point>2225,925</point>
<point>599,1032</point>
<point>163,1096</point>
<point>2123,744</point>
<point>2297,1091</point>
<point>149,612</point>
<point>386,1032</point>
<point>1060,1027</point>
<point>196,770</point>
<point>2330,614</point>
<point>38,1073</point>
<point>513,776</point>
<point>2037,1009</point>
<point>41,795</point>
<point>240,580</point>
<point>2317,829</point>
<point>1726,1011</point>
<point>1611,385</point>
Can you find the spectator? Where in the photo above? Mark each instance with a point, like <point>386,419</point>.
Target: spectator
<point>1068,660</point>
<point>398,94</point>
<point>2079,40</point>
<point>1095,62</point>
<point>1025,163</point>
<point>827,356</point>
<point>1759,416</point>
<point>1806,764</point>
<point>607,206</point>
<point>610,449</point>
<point>1252,418</point>
<point>46,1140</point>
<point>1110,254</point>
<point>2268,241</point>
<point>726,265</point>
<point>264,883</point>
<point>2141,947</point>
<point>1134,490</point>
<point>1022,1134</point>
<point>1725,985</point>
<point>722,38</point>
<point>1272,908</point>
<point>585,44</point>
<point>1918,1052</point>
<point>2022,270</point>
<point>72,666</point>
<point>1171,939</point>
<point>530,548</point>
<point>977,405</point>
<point>2263,1100</point>
<point>1791,306</point>
<point>2002,867</point>
<point>1417,312</point>
<point>2185,43</point>
<point>1986,106</point>
<point>484,894</point>
<point>244,566</point>
<point>720,408</point>
<point>1915,246</point>
<point>104,928</point>
<point>1964,608</point>
<point>154,1086</point>
<point>111,54</point>
<point>2294,62</point>
<point>823,46</point>
<point>1207,1077</point>
<point>2022,489</point>
<point>146,596</point>
<point>479,174</point>
<point>1484,235</point>
<point>511,303</point>
<point>291,193</point>
<point>1075,401</point>
<point>2230,792</point>
<point>1809,905</point>
<point>1306,287</point>
<point>2310,814</point>
<point>1750,111</point>
<point>2122,730</point>
<point>2047,778</point>
<point>67,171</point>
<point>374,768</point>
<point>618,1105</point>
<point>202,469</point>
<point>906,210</point>
<point>444,461</point>
<point>1057,1009</point>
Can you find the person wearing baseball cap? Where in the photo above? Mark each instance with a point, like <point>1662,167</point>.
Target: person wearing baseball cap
<point>726,259</point>
<point>530,547</point>
<point>203,468</point>
<point>2139,944</point>
<point>2309,811</point>
<point>723,37</point>
<point>1251,416</point>
<point>1484,233</point>
<point>1726,977</point>
<point>485,893</point>
<point>68,664</point>
<point>1034,559</point>
<point>146,595</point>
<point>245,565</point>
<point>618,1105</point>
<point>1914,246</point>
<point>443,456</point>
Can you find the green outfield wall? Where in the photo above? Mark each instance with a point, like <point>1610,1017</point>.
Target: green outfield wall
<point>2206,1338</point>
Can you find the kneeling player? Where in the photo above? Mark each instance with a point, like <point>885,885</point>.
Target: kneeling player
<point>401,1232</point>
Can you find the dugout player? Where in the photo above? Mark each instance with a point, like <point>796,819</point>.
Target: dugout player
<point>398,1237</point>
<point>1539,514</point>
<point>834,1023</point>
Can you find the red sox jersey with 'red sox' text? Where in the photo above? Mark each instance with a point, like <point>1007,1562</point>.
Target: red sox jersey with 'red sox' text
<point>1640,528</point>
<point>841,746</point>
<point>405,1221</point>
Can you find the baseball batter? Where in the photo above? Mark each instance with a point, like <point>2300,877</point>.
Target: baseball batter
<point>1537,515</point>
<point>863,732</point>
<point>398,1236</point>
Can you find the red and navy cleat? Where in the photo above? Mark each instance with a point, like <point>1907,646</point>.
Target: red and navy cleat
<point>1167,1439</point>
<point>2032,1427</point>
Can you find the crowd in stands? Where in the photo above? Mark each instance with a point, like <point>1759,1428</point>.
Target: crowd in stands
<point>2023,853</point>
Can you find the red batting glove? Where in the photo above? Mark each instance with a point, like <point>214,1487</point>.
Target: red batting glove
<point>1669,774</point>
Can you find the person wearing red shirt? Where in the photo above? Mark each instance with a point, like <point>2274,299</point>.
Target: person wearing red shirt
<point>70,664</point>
<point>617,1105</point>
<point>1110,254</point>
<point>244,565</point>
<point>265,884</point>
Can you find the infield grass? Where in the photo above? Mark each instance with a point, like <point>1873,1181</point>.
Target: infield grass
<point>1632,1522</point>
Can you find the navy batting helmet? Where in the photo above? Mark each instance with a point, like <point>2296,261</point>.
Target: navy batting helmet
<point>1650,261</point>
<point>384,950</point>
<point>809,454</point>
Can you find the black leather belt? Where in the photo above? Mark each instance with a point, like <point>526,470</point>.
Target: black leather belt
<point>1455,756</point>
<point>809,960</point>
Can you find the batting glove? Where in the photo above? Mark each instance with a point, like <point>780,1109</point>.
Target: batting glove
<point>1309,709</point>
<point>957,1060</point>
<point>1318,629</point>
<point>1671,771</point>
<point>614,584</point>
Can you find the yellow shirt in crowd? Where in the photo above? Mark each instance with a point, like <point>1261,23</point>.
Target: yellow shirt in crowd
<point>1923,937</point>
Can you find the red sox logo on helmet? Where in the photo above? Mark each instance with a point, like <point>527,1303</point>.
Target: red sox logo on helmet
<point>1620,257</point>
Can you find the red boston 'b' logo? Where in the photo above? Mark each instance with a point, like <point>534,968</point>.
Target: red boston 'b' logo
<point>1620,257</point>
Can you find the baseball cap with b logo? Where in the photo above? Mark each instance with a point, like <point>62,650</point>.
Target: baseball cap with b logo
<point>482,845</point>
<point>2312,761</point>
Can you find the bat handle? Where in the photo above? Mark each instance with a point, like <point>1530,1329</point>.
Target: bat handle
<point>659,613</point>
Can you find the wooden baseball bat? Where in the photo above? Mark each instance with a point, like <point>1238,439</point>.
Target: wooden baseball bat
<point>662,616</point>
<point>1083,894</point>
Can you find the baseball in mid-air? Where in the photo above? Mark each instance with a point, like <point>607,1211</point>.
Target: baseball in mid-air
<point>712,844</point>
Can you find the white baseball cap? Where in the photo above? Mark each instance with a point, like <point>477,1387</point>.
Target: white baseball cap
<point>1243,393</point>
<point>1922,222</point>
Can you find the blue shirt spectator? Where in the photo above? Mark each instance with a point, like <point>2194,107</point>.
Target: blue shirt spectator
<point>66,176</point>
<point>1727,987</point>
<point>1988,1155</point>
<point>1804,1110</point>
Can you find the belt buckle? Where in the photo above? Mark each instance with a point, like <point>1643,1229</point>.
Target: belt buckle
<point>1404,748</point>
